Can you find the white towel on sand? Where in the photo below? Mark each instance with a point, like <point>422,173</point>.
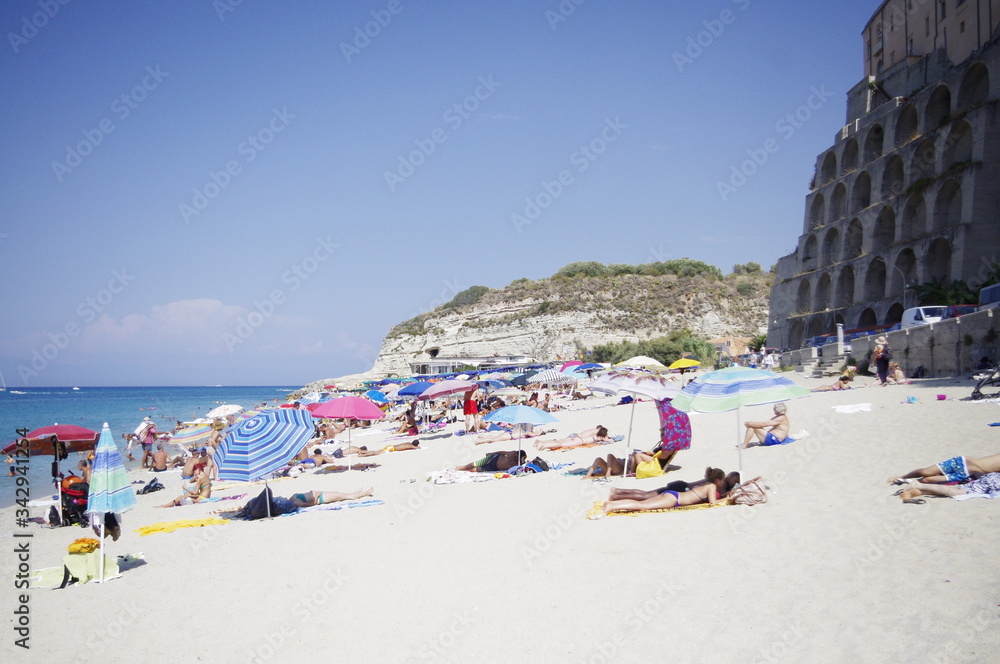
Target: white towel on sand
<point>853,408</point>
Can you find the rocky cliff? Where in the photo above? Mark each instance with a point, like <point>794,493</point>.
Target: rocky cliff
<point>555,317</point>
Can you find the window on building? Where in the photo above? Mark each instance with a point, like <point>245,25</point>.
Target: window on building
<point>927,26</point>
<point>909,50</point>
<point>961,27</point>
<point>944,10</point>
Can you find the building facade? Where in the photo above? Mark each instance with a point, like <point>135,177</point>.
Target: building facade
<point>909,190</point>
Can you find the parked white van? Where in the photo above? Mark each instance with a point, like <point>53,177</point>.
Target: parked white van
<point>921,316</point>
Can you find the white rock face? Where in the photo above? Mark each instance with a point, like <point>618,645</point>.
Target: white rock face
<point>507,330</point>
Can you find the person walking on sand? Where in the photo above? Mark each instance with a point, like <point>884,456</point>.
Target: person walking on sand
<point>769,432</point>
<point>471,410</point>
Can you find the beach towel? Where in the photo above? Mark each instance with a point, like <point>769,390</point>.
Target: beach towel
<point>967,496</point>
<point>463,477</point>
<point>597,511</point>
<point>336,506</point>
<point>675,427</point>
<point>215,499</point>
<point>853,408</point>
<point>171,526</point>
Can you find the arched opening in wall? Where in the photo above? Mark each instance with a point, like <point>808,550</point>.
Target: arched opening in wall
<point>938,260</point>
<point>892,177</point>
<point>817,211</point>
<point>803,297</point>
<point>948,206</point>
<point>907,123</point>
<point>873,143</point>
<point>885,230</point>
<point>821,299</point>
<point>831,242</point>
<point>867,318</point>
<point>894,315</point>
<point>958,147</point>
<point>849,158</point>
<point>975,86</point>
<point>853,240</point>
<point>861,194</point>
<point>838,202</point>
<point>796,334</point>
<point>828,171</point>
<point>914,217</point>
<point>875,281</point>
<point>845,288</point>
<point>938,106</point>
<point>810,254</point>
<point>818,326</point>
<point>904,273</point>
<point>433,352</point>
<point>924,162</point>
<point>839,320</point>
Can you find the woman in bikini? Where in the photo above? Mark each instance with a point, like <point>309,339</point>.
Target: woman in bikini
<point>598,434</point>
<point>310,498</point>
<point>496,436</point>
<point>194,492</point>
<point>713,491</point>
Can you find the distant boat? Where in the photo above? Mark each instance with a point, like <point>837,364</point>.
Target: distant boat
<point>76,388</point>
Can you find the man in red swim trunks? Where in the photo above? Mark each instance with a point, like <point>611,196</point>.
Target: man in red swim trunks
<point>471,411</point>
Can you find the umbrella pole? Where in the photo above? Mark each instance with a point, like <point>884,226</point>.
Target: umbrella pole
<point>628,441</point>
<point>267,499</point>
<point>739,439</point>
<point>100,577</point>
<point>348,455</point>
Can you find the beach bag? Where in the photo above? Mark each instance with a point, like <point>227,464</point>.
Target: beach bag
<point>539,462</point>
<point>749,493</point>
<point>649,468</point>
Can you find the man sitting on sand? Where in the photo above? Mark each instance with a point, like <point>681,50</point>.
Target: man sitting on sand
<point>598,434</point>
<point>714,490</point>
<point>194,491</point>
<point>769,432</point>
<point>986,484</point>
<point>162,461</point>
<point>956,469</point>
<point>495,462</point>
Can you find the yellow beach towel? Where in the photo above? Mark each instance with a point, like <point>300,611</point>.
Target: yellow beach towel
<point>171,526</point>
<point>597,511</point>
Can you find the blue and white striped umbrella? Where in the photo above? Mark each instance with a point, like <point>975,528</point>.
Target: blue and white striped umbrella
<point>110,489</point>
<point>258,446</point>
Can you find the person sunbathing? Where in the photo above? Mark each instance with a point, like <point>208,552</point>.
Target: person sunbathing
<point>408,425</point>
<point>511,434</point>
<point>732,480</point>
<point>769,432</point>
<point>316,459</point>
<point>495,462</point>
<point>896,375</point>
<point>713,491</point>
<point>195,491</point>
<point>956,469</point>
<point>311,498</point>
<point>843,383</point>
<point>396,447</point>
<point>986,484</point>
<point>598,434</point>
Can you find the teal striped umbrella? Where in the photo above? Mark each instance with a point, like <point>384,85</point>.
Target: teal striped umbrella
<point>735,387</point>
<point>110,489</point>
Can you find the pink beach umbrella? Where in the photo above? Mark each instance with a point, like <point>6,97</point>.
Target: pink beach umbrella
<point>349,408</point>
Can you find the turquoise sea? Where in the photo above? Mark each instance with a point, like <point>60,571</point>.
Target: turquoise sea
<point>121,407</point>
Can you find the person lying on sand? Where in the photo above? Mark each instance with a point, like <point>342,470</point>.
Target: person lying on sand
<point>598,434</point>
<point>713,491</point>
<point>195,491</point>
<point>769,432</point>
<point>956,469</point>
<point>396,447</point>
<point>495,462</point>
<point>310,498</point>
<point>732,480</point>
<point>612,465</point>
<point>843,383</point>
<point>986,484</point>
<point>496,436</point>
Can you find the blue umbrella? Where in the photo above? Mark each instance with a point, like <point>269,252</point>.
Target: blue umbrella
<point>520,415</point>
<point>414,389</point>
<point>258,446</point>
<point>110,489</point>
<point>376,396</point>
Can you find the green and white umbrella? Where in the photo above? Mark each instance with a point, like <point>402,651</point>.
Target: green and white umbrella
<point>110,489</point>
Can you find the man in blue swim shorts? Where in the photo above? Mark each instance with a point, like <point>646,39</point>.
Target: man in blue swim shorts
<point>769,432</point>
<point>956,469</point>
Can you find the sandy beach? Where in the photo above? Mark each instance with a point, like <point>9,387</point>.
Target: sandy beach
<point>833,568</point>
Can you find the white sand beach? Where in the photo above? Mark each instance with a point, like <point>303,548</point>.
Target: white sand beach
<point>833,568</point>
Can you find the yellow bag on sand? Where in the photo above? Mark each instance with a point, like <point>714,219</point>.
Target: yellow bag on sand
<point>649,468</point>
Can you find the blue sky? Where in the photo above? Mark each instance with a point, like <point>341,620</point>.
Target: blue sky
<point>219,193</point>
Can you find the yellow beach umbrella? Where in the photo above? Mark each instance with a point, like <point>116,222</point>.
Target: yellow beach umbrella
<point>685,363</point>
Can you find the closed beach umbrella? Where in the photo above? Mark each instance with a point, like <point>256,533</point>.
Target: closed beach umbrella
<point>110,489</point>
<point>735,387</point>
<point>520,415</point>
<point>264,443</point>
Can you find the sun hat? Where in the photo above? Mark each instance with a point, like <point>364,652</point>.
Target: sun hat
<point>882,341</point>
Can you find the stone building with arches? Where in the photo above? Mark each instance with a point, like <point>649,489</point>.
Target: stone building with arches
<point>909,191</point>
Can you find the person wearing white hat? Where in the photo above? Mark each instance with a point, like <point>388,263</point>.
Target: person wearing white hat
<point>883,353</point>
